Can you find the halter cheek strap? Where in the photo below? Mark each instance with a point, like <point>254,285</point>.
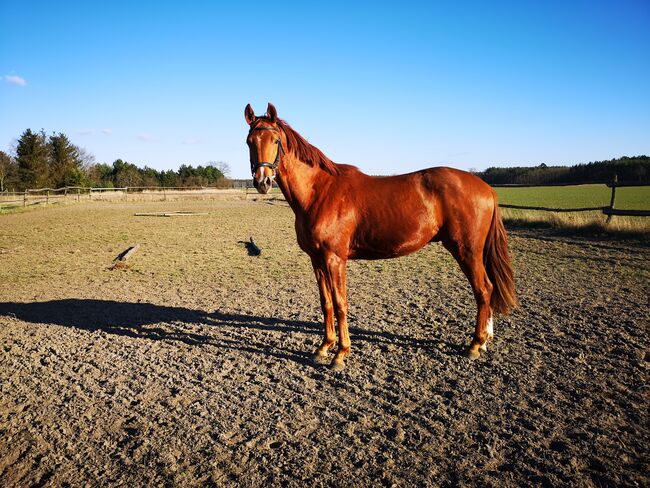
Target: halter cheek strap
<point>266,164</point>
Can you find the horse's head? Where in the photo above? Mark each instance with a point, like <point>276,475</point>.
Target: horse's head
<point>265,145</point>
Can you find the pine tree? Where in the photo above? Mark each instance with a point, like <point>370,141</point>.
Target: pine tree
<point>32,158</point>
<point>65,162</point>
<point>7,170</point>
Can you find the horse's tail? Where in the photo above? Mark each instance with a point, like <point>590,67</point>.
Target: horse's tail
<point>497,264</point>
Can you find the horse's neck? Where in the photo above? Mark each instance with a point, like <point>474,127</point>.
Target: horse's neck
<point>301,183</point>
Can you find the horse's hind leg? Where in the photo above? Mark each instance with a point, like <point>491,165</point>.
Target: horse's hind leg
<point>471,262</point>
<point>482,289</point>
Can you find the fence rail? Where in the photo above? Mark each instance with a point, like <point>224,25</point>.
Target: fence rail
<point>45,195</point>
<point>551,209</point>
<point>37,196</point>
<point>608,210</point>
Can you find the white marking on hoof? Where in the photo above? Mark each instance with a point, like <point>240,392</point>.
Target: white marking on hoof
<point>483,347</point>
<point>490,328</point>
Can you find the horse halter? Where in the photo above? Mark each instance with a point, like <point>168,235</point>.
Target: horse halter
<point>266,164</point>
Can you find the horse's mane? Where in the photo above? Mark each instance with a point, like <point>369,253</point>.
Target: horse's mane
<point>304,151</point>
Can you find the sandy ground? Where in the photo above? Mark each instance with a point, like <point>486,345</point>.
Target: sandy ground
<point>192,366</point>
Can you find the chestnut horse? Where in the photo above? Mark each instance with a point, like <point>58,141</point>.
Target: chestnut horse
<point>342,213</point>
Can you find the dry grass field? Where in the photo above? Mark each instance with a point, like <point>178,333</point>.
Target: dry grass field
<point>191,367</point>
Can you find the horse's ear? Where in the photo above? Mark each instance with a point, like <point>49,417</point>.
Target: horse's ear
<point>249,114</point>
<point>272,113</point>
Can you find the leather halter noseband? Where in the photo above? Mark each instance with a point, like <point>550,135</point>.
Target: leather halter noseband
<point>266,164</point>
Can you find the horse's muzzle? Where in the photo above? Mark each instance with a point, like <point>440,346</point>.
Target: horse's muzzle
<point>263,184</point>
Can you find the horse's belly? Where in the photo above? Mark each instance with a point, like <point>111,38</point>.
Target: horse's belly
<point>391,244</point>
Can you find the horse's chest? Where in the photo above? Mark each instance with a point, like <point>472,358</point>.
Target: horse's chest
<point>313,237</point>
<point>305,238</point>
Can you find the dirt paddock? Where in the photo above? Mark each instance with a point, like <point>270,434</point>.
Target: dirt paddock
<point>191,366</point>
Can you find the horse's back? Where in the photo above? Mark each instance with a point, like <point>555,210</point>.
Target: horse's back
<point>451,182</point>
<point>445,188</point>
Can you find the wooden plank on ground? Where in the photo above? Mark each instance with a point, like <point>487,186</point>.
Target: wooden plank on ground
<point>169,214</point>
<point>126,254</point>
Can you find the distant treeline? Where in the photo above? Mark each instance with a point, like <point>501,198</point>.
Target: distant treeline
<point>627,169</point>
<point>121,174</point>
<point>41,161</point>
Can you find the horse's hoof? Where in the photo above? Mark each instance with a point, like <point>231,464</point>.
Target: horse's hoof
<point>319,358</point>
<point>337,365</point>
<point>473,355</point>
<point>483,347</point>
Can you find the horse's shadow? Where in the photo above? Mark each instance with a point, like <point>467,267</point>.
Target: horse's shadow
<point>149,321</point>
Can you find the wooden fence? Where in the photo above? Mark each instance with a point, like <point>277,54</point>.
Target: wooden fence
<point>50,195</point>
<point>45,196</point>
<point>608,210</point>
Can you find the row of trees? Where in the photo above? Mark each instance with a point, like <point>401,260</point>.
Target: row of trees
<point>121,174</point>
<point>53,161</point>
<point>41,161</point>
<point>627,169</point>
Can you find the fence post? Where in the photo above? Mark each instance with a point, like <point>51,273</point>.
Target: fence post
<point>164,194</point>
<point>78,191</point>
<point>90,193</point>
<point>47,197</point>
<point>613,199</point>
<point>25,199</point>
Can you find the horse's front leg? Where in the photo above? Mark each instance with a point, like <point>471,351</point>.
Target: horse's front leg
<point>329,338</point>
<point>337,277</point>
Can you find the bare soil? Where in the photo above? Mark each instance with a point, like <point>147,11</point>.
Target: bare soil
<point>191,365</point>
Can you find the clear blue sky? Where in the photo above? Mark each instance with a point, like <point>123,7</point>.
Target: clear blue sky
<point>386,86</point>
